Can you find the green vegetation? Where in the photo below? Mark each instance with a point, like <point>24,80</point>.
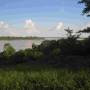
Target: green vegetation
<point>8,50</point>
<point>53,65</point>
<point>27,78</point>
<point>86,10</point>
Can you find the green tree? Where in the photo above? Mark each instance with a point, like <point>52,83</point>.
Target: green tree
<point>8,50</point>
<point>86,10</point>
<point>71,44</point>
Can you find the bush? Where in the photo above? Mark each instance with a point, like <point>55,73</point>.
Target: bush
<point>34,54</point>
<point>8,50</point>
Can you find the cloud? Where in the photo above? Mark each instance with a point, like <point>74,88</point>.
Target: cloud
<point>30,28</point>
<point>59,25</point>
<point>3,25</point>
<point>57,30</point>
<point>7,29</point>
<point>87,25</point>
<point>29,24</point>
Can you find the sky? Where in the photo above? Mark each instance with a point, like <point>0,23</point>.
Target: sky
<point>40,17</point>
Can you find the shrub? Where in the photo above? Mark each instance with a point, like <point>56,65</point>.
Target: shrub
<point>8,50</point>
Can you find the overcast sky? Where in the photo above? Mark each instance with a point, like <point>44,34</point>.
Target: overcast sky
<point>40,17</point>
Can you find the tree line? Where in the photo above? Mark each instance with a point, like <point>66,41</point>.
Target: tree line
<point>65,52</point>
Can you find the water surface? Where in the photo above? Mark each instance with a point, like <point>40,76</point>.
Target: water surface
<point>23,44</point>
<point>19,44</point>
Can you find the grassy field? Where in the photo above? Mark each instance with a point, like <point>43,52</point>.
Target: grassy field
<point>24,77</point>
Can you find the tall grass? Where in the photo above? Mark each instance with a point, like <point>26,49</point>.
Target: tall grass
<point>44,79</point>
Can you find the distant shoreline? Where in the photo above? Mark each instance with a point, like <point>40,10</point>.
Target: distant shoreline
<point>19,38</point>
<point>31,38</point>
<point>27,38</point>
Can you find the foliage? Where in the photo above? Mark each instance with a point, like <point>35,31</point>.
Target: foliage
<point>8,50</point>
<point>86,45</point>
<point>86,10</point>
<point>70,34</point>
<point>44,79</point>
<point>70,45</point>
<point>87,30</point>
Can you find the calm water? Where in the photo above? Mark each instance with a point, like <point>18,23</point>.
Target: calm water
<point>22,44</point>
<point>19,44</point>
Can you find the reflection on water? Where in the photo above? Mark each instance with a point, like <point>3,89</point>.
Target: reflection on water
<point>19,44</point>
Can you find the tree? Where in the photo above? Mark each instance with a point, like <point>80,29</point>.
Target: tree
<point>86,30</point>
<point>70,34</point>
<point>71,44</point>
<point>86,10</point>
<point>8,50</point>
